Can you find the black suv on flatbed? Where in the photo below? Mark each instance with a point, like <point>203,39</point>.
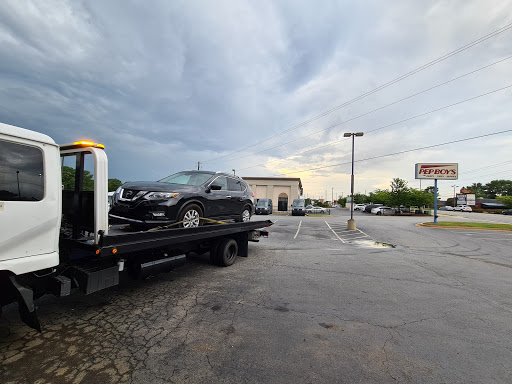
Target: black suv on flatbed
<point>183,197</point>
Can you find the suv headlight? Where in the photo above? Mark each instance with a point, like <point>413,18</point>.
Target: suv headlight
<point>160,195</point>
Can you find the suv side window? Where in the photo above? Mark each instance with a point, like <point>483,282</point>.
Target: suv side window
<point>21,172</point>
<point>234,185</point>
<point>222,181</point>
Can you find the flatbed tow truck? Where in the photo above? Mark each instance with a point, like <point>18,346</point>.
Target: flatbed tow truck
<point>59,241</point>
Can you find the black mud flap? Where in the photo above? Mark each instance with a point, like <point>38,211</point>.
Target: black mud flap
<point>27,309</point>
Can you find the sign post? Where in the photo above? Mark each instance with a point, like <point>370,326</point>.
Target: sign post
<point>435,201</point>
<point>443,171</point>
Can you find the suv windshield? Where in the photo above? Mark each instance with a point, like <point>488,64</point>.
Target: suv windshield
<point>298,203</point>
<point>262,203</point>
<point>187,178</point>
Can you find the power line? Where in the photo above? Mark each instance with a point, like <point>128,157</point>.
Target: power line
<point>385,85</point>
<point>489,166</point>
<point>400,152</point>
<point>372,111</point>
<point>440,109</point>
<point>400,121</point>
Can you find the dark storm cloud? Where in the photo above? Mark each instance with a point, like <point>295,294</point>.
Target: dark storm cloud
<point>164,84</point>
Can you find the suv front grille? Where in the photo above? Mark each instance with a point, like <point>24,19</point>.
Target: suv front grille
<point>130,194</point>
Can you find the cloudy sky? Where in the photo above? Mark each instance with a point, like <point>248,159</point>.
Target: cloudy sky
<point>267,87</point>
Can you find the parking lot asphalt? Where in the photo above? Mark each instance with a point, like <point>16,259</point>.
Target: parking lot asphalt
<point>390,302</point>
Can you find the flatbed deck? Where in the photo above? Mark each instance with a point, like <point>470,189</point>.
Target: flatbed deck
<point>119,241</point>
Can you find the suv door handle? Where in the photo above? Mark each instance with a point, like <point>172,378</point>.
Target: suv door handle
<point>228,197</point>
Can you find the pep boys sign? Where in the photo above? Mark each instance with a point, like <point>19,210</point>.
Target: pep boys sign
<point>446,171</point>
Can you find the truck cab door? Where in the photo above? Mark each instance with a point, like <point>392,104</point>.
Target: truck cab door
<point>30,200</point>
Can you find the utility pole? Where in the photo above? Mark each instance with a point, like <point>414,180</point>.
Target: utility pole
<point>198,165</point>
<point>454,195</point>
<point>351,224</point>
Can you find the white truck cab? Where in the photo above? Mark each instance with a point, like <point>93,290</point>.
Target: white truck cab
<point>31,194</point>
<point>30,200</point>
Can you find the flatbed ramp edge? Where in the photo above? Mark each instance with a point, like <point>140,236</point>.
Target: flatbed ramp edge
<point>140,241</point>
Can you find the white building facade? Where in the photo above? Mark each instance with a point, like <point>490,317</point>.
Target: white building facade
<point>282,190</point>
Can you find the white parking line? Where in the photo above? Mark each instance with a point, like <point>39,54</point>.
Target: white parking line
<point>298,229</point>
<point>492,238</point>
<point>335,234</point>
<point>361,237</point>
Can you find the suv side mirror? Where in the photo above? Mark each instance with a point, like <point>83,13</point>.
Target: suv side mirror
<point>215,187</point>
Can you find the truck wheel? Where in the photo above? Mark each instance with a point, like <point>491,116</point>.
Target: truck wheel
<point>227,252</point>
<point>191,214</point>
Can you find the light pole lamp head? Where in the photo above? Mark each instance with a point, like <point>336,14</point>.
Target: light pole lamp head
<point>359,133</point>
<point>347,134</point>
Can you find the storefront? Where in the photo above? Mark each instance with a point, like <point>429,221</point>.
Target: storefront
<point>282,190</point>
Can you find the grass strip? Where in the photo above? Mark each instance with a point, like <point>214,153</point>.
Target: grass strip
<point>468,225</point>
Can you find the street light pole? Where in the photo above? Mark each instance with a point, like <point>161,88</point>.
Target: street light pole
<point>454,195</point>
<point>351,225</point>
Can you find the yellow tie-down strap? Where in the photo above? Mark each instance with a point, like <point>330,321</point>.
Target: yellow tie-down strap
<point>184,221</point>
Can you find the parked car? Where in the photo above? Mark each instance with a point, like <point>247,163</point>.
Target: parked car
<point>369,207</point>
<point>318,210</point>
<point>308,208</point>
<point>463,208</point>
<point>264,207</point>
<point>299,207</point>
<point>183,197</point>
<point>507,212</point>
<point>359,207</point>
<point>446,208</point>
<point>379,210</point>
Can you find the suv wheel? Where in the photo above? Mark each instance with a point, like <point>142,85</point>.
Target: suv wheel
<point>190,216</point>
<point>245,215</point>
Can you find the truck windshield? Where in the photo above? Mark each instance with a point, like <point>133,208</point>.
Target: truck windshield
<point>262,204</point>
<point>187,178</point>
<point>298,203</point>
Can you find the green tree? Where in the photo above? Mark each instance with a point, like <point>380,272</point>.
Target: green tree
<point>342,201</point>
<point>400,193</point>
<point>359,198</point>
<point>431,189</point>
<point>380,196</point>
<point>507,200</point>
<point>477,189</point>
<point>113,184</point>
<point>307,201</point>
<point>68,179</point>
<point>421,198</point>
<point>498,188</point>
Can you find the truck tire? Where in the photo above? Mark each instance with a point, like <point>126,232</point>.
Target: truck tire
<point>227,252</point>
<point>192,212</point>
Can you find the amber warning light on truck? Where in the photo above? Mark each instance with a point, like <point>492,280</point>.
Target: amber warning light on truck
<point>441,171</point>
